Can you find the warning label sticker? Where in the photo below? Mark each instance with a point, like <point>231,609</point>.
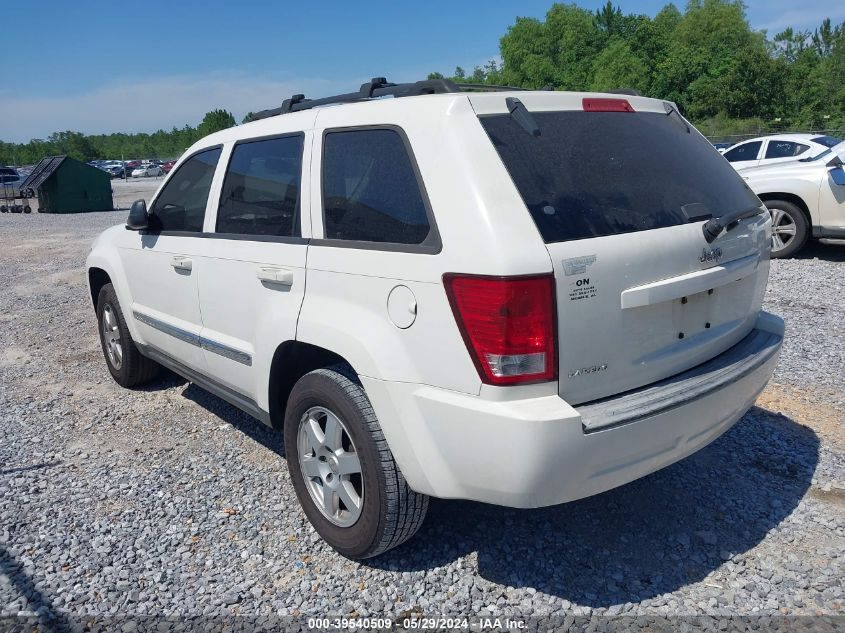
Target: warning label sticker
<point>581,289</point>
<point>577,265</point>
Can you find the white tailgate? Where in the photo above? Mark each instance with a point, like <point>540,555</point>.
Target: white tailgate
<point>638,307</point>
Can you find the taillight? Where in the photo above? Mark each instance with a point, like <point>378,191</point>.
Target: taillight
<point>508,324</point>
<point>603,104</point>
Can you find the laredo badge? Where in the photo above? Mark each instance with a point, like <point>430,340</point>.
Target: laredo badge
<point>592,369</point>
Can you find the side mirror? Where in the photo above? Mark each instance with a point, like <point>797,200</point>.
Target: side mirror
<point>139,217</point>
<point>837,175</point>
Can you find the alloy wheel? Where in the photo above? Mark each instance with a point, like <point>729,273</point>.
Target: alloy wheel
<point>783,229</point>
<point>330,466</point>
<point>111,337</point>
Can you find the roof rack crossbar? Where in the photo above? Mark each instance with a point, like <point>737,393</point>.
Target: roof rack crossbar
<point>287,104</point>
<point>367,89</point>
<point>375,88</point>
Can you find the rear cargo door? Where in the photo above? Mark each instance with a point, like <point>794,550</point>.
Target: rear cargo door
<point>619,192</point>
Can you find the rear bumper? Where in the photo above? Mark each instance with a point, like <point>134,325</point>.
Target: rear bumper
<point>541,451</point>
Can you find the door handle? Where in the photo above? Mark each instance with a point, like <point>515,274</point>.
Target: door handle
<point>182,263</point>
<point>281,276</point>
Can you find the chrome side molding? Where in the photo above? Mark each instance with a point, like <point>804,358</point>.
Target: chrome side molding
<point>195,339</point>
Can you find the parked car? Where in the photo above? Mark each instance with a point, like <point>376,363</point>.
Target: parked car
<point>722,147</point>
<point>10,184</point>
<point>168,166</point>
<point>778,148</point>
<point>119,171</point>
<point>806,198</point>
<point>519,298</point>
<point>144,171</point>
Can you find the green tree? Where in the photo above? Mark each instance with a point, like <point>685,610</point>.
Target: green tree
<point>215,121</point>
<point>617,66</point>
<point>575,41</point>
<point>74,144</point>
<point>527,54</point>
<point>609,18</point>
<point>700,70</point>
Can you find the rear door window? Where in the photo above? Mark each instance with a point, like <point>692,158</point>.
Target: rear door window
<point>261,190</point>
<point>785,149</point>
<point>591,174</point>
<point>181,204</point>
<point>371,192</point>
<point>746,151</point>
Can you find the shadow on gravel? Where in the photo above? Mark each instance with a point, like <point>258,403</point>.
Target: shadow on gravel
<point>21,469</point>
<point>246,424</point>
<point>639,541</point>
<point>833,252</point>
<point>49,618</point>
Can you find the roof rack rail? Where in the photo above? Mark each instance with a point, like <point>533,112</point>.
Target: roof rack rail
<point>487,88</point>
<point>375,88</point>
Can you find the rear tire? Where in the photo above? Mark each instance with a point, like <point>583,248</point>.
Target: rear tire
<point>790,228</point>
<point>126,364</point>
<point>388,511</point>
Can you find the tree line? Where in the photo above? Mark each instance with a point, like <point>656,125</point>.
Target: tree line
<point>87,147</point>
<point>724,76</point>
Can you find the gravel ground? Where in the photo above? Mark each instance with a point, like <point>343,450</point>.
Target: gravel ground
<point>167,500</point>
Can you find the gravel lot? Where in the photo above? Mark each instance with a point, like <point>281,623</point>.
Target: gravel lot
<point>167,500</point>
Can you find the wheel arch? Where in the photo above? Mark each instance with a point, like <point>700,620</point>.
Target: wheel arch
<point>97,278</point>
<point>291,361</point>
<point>788,197</point>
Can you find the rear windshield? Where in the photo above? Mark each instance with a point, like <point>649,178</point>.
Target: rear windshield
<point>591,174</point>
<point>827,141</point>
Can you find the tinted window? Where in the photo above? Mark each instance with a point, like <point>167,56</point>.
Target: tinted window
<point>827,141</point>
<point>602,173</point>
<point>785,149</point>
<point>370,189</point>
<point>261,191</point>
<point>181,204</point>
<point>748,151</point>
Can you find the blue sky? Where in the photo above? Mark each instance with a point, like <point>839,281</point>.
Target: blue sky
<point>120,66</point>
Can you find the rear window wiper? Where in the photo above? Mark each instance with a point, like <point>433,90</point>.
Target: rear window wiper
<point>522,116</point>
<point>713,228</point>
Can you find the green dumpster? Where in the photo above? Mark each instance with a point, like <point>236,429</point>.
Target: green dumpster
<point>65,185</point>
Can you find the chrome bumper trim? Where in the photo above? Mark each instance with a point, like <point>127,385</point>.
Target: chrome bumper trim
<point>749,354</point>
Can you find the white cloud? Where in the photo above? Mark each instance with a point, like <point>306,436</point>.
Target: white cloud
<point>797,14</point>
<point>147,105</point>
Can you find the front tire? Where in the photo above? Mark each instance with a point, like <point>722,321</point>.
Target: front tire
<point>126,364</point>
<point>790,228</point>
<point>344,474</point>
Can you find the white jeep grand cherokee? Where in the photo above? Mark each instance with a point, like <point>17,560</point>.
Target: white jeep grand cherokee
<point>520,298</point>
